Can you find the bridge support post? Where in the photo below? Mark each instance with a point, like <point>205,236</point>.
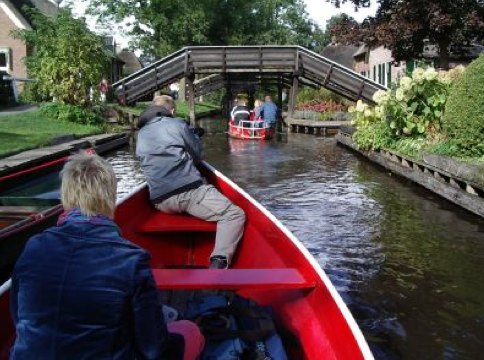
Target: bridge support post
<point>279,92</point>
<point>293,96</point>
<point>191,99</point>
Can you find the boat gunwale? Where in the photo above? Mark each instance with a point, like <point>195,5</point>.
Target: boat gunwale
<point>355,329</point>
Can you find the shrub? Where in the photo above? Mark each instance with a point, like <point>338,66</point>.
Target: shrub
<point>374,136</point>
<point>463,120</point>
<point>415,107</point>
<point>411,113</point>
<point>307,94</point>
<point>73,113</point>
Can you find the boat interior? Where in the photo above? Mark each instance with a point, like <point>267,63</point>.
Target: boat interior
<point>269,267</point>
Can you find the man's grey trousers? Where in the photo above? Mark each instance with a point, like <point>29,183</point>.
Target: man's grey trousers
<point>206,202</point>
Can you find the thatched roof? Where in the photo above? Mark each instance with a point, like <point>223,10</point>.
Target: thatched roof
<point>131,61</point>
<point>341,54</point>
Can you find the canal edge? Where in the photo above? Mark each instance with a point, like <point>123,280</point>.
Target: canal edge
<point>101,143</point>
<point>458,190</point>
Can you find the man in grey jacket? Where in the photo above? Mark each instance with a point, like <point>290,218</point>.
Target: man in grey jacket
<point>169,151</point>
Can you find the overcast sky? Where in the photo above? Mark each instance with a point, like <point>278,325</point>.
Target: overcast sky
<point>319,10</point>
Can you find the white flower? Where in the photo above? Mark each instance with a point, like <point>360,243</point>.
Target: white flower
<point>430,74</point>
<point>360,106</point>
<point>400,94</point>
<point>368,113</point>
<point>378,111</point>
<point>418,75</point>
<point>351,109</point>
<point>406,83</point>
<point>380,96</point>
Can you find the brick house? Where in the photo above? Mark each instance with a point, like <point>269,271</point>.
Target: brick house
<point>13,17</point>
<point>378,64</point>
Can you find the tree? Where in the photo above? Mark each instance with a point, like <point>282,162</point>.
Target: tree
<point>405,26</point>
<point>163,26</point>
<point>67,58</point>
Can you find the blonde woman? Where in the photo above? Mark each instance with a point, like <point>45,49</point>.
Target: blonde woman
<point>257,109</point>
<point>81,291</point>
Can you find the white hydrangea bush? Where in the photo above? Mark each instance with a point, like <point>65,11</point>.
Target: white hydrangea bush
<point>413,108</point>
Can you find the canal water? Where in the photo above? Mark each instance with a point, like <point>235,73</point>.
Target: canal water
<point>409,264</point>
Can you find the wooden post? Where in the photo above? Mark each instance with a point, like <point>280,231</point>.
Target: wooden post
<point>279,92</point>
<point>191,99</point>
<point>228,97</point>
<point>293,96</point>
<point>182,94</point>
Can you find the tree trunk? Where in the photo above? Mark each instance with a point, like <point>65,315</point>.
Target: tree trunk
<point>444,54</point>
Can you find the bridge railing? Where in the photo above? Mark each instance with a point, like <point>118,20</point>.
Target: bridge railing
<point>250,61</point>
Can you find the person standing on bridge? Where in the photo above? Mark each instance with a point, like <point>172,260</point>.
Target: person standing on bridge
<point>169,152</point>
<point>269,112</point>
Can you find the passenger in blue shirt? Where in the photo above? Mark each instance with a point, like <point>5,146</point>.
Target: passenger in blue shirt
<point>82,291</point>
<point>269,112</point>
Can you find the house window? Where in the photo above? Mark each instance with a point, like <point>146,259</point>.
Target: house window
<point>389,74</point>
<point>5,59</point>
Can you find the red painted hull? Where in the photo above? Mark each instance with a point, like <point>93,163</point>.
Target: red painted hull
<point>251,130</point>
<point>271,266</point>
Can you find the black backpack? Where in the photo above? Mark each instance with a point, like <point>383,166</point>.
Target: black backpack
<point>236,328</point>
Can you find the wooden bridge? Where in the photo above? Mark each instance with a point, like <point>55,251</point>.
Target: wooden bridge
<point>245,68</point>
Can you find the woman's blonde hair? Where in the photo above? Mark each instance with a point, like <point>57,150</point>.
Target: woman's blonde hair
<point>89,184</point>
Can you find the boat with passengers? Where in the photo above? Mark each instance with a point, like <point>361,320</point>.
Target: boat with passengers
<point>250,130</point>
<point>271,267</point>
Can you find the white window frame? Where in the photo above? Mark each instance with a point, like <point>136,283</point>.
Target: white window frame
<point>8,54</point>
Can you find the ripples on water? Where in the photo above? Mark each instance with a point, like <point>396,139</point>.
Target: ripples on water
<point>408,264</point>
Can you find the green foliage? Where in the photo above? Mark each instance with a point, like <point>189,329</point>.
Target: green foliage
<point>409,146</point>
<point>408,118</point>
<point>405,26</point>
<point>463,121</point>
<point>163,26</point>
<point>307,94</point>
<point>215,97</point>
<point>73,113</point>
<point>416,106</point>
<point>374,136</point>
<point>68,58</point>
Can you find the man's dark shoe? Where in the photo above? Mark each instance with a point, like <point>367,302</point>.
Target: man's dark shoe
<point>218,262</point>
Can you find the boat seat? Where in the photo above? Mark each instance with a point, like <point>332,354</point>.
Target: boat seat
<point>161,222</point>
<point>233,279</point>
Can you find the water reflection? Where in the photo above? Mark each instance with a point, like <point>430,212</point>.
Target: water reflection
<point>408,263</point>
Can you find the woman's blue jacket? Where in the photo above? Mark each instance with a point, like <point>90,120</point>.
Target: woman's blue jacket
<point>81,291</point>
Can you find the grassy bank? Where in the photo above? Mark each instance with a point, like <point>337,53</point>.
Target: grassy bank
<point>30,130</point>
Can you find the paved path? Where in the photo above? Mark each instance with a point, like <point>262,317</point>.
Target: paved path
<point>18,109</point>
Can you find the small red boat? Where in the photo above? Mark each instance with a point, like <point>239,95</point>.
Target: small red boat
<point>271,267</point>
<point>250,130</point>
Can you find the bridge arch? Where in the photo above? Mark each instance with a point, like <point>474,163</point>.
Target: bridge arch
<point>208,68</point>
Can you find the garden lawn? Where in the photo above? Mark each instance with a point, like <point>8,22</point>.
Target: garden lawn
<point>30,130</point>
